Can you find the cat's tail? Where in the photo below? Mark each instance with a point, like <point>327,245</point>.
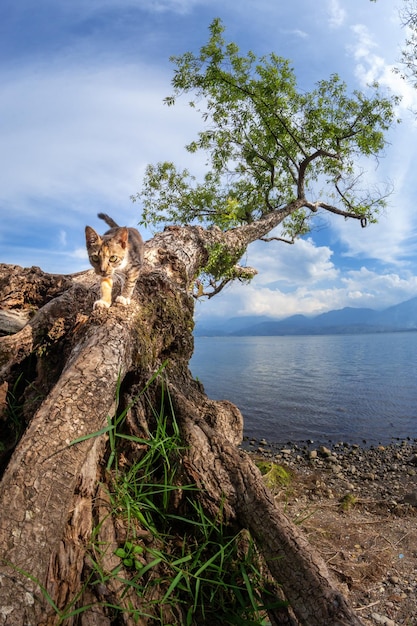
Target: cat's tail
<point>108,220</point>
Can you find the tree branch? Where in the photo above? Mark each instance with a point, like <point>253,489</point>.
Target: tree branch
<point>239,272</point>
<point>304,165</point>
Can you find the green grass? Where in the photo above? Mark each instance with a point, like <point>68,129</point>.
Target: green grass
<point>210,570</point>
<point>347,502</point>
<point>174,557</point>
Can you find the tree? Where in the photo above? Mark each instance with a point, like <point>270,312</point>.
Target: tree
<point>409,52</point>
<point>96,391</point>
<point>276,155</point>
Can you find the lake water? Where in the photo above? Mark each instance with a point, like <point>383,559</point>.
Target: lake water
<point>351,388</point>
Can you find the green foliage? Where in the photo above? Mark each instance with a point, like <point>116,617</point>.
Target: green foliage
<point>267,143</point>
<point>409,50</point>
<point>347,502</point>
<point>213,573</point>
<point>129,555</point>
<point>209,570</point>
<point>197,562</point>
<point>222,267</point>
<point>274,475</point>
<point>222,261</point>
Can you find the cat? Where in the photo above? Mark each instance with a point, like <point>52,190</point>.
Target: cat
<point>119,249</point>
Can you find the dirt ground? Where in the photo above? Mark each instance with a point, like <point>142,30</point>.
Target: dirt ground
<point>359,509</point>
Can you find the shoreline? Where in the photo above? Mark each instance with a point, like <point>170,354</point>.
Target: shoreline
<point>358,507</point>
<point>304,445</point>
<point>381,472</point>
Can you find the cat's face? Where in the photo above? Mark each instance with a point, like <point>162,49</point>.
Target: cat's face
<point>107,253</point>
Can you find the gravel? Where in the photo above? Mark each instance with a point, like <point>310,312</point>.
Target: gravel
<point>358,507</point>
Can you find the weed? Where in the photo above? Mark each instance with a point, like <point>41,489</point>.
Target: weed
<point>200,564</point>
<point>274,475</point>
<point>347,502</point>
<point>189,563</point>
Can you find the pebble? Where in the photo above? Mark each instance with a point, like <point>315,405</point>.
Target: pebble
<point>325,451</point>
<point>381,619</point>
<point>381,471</point>
<point>370,474</point>
<point>331,459</point>
<point>411,498</point>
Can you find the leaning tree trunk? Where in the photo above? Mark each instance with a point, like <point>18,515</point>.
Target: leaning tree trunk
<point>65,370</point>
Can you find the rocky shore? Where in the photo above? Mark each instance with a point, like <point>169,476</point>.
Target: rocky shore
<point>358,507</point>
<point>386,471</point>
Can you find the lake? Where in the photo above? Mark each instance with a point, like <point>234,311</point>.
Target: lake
<point>350,388</point>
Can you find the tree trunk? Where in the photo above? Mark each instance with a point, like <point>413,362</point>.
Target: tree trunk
<point>65,374</point>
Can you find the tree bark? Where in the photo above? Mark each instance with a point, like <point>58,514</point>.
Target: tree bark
<point>62,374</point>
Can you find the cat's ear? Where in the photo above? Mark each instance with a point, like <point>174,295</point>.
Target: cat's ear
<point>122,236</point>
<point>91,237</point>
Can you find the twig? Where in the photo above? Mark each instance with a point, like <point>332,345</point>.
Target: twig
<point>368,606</point>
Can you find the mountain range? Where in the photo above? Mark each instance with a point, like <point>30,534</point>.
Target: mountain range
<point>400,317</point>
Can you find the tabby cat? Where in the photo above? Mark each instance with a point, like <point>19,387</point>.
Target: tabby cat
<point>119,249</point>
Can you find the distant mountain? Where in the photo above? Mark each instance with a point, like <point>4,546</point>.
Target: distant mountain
<point>402,315</point>
<point>218,328</point>
<point>348,320</point>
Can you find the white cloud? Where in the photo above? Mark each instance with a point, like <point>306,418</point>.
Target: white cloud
<point>357,288</point>
<point>380,290</point>
<point>392,240</point>
<point>80,253</point>
<point>297,32</point>
<point>79,128</point>
<point>86,125</point>
<point>373,67</point>
<point>364,42</point>
<point>63,238</point>
<point>284,264</point>
<point>75,141</point>
<point>303,279</point>
<point>291,279</point>
<point>337,14</point>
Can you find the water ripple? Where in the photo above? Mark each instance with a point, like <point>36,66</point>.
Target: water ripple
<point>333,387</point>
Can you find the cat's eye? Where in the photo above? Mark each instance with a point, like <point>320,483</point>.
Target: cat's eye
<point>94,258</point>
<point>113,258</point>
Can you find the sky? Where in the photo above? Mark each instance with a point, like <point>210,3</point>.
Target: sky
<point>82,84</point>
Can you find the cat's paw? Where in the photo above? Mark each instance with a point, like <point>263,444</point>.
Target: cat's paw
<point>123,300</point>
<point>101,304</point>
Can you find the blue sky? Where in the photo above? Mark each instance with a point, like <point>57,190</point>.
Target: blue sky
<point>81,115</point>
